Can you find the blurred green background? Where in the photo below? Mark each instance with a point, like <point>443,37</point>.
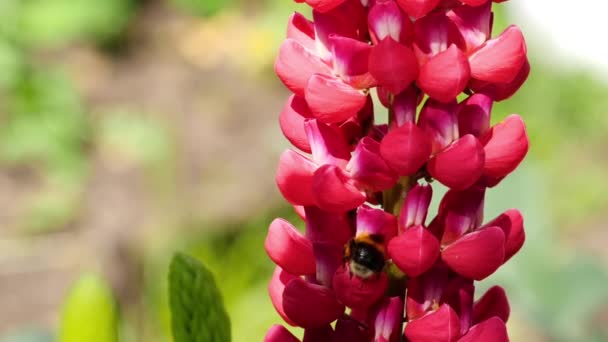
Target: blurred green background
<point>131,129</point>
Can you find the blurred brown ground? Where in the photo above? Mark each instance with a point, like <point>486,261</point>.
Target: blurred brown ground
<point>228,141</point>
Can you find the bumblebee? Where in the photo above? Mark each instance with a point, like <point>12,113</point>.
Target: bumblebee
<point>366,255</point>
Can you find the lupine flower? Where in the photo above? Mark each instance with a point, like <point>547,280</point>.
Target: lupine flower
<point>373,264</point>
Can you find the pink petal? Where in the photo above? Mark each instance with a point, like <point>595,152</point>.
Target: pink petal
<point>458,294</point>
<point>476,255</point>
<point>291,120</point>
<point>289,249</point>
<point>294,178</point>
<point>393,65</point>
<point>476,2</point>
<point>301,30</point>
<point>388,320</point>
<point>406,149</point>
<point>328,256</point>
<point>276,287</point>
<point>417,8</point>
<point>310,305</point>
<point>404,106</point>
<point>374,221</point>
<point>351,56</point>
<point>492,329</point>
<point>493,303</point>
<point>346,20</point>
<point>355,292</point>
<point>474,115</point>
<point>499,60</point>
<point>445,75</point>
<point>323,226</point>
<point>415,207</point>
<point>327,144</point>
<point>460,165</point>
<point>424,292</point>
<point>505,147</point>
<point>332,100</point>
<point>295,65</point>
<point>355,127</point>
<point>414,251</point>
<point>368,168</point>
<point>461,212</point>
<point>474,23</point>
<point>385,19</point>
<point>512,224</point>
<point>333,191</point>
<point>442,325</point>
<point>438,120</point>
<point>278,333</point>
<point>433,34</point>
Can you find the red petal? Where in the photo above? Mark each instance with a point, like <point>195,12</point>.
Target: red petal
<point>505,147</point>
<point>512,224</point>
<point>322,334</point>
<point>460,165</point>
<point>291,120</point>
<point>323,226</point>
<point>493,303</point>
<point>358,293</point>
<point>415,207</point>
<point>327,144</point>
<point>324,5</point>
<point>332,100</point>
<point>492,329</point>
<point>310,305</point>
<point>404,105</point>
<point>499,60</point>
<point>406,149</point>
<point>476,255</point>
<point>294,178</point>
<point>368,168</point>
<point>295,65</point>
<point>301,30</point>
<point>278,333</point>
<point>393,65</point>
<point>445,75</point>
<point>348,329</point>
<point>276,287</point>
<point>442,325</point>
<point>333,191</point>
<point>414,251</point>
<point>417,8</point>
<point>289,249</point>
<point>476,2</point>
<point>474,115</point>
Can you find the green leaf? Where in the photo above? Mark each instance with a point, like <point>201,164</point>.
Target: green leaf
<point>197,307</point>
<point>89,312</point>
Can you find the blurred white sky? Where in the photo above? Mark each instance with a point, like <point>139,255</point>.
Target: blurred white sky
<point>575,32</point>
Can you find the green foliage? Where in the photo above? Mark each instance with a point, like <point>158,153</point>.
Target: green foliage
<point>52,22</point>
<point>203,8</point>
<point>197,308</point>
<point>89,312</point>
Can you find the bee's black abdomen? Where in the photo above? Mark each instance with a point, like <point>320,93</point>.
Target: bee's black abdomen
<point>367,255</point>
